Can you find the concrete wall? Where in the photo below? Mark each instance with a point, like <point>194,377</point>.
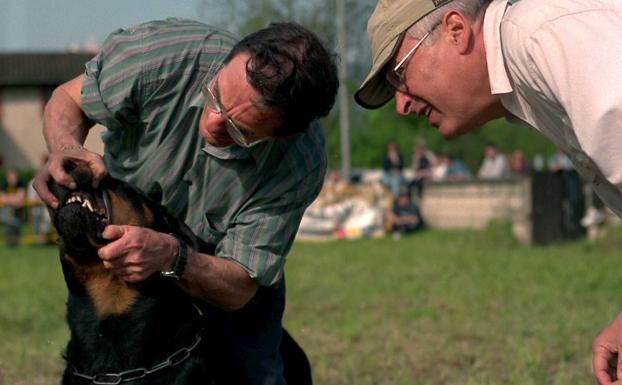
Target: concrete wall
<point>462,205</point>
<point>21,121</point>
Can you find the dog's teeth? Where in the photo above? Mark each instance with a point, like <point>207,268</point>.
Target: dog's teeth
<point>79,198</point>
<point>87,204</point>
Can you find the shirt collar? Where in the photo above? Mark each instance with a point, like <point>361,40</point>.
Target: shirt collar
<point>259,152</point>
<point>499,79</point>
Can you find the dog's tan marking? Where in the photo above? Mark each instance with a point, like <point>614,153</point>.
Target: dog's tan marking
<point>149,218</point>
<point>122,212</point>
<point>110,295</point>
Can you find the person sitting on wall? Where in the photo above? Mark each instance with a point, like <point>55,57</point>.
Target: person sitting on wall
<point>422,162</point>
<point>495,164</point>
<point>392,166</point>
<point>458,170</point>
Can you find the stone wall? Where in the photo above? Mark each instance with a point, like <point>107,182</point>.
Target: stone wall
<point>473,204</point>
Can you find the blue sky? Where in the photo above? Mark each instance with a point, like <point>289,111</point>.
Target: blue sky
<point>52,25</point>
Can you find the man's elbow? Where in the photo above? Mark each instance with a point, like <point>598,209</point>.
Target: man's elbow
<point>241,297</point>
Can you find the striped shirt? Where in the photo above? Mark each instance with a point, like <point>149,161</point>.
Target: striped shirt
<point>145,87</point>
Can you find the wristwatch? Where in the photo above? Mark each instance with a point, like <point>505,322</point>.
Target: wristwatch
<point>180,261</point>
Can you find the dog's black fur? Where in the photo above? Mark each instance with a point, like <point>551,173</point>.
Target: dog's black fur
<point>116,326</point>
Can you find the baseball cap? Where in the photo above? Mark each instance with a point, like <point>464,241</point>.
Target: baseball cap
<point>388,22</point>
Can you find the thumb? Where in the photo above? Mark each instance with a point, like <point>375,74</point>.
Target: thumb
<point>112,232</point>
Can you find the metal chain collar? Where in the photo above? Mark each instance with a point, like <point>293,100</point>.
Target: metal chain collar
<point>134,374</point>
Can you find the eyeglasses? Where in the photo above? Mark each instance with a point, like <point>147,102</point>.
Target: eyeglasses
<point>212,101</point>
<point>396,77</point>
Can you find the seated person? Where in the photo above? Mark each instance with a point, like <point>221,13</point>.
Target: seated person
<point>12,196</point>
<point>457,170</point>
<point>422,162</point>
<point>495,164</point>
<point>405,217</point>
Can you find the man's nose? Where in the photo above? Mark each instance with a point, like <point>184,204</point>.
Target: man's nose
<point>404,104</point>
<point>216,120</point>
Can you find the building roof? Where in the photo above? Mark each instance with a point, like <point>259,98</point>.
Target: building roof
<point>40,69</point>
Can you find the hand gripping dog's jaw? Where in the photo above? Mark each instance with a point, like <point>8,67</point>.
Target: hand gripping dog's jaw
<point>81,216</point>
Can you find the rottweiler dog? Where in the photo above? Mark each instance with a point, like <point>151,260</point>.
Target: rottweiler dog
<point>145,333</point>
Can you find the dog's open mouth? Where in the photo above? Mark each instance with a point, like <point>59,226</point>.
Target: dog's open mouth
<point>81,219</point>
<point>95,204</point>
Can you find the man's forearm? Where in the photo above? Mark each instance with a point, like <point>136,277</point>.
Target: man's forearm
<point>218,281</point>
<point>64,122</point>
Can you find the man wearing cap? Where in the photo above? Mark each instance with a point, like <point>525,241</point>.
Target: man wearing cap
<point>551,65</point>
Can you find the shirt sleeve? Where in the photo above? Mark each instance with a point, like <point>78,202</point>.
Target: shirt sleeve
<point>112,81</point>
<point>263,233</point>
<point>575,63</point>
<point>143,70</point>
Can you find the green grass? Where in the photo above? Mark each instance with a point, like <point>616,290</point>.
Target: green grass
<point>32,326</point>
<point>434,308</point>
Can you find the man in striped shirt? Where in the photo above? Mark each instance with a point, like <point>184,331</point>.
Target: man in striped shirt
<point>224,135</point>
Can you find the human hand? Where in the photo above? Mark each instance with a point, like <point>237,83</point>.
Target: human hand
<point>606,358</point>
<point>136,253</point>
<point>55,169</point>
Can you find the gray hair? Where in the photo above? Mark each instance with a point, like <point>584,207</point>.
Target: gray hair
<point>472,9</point>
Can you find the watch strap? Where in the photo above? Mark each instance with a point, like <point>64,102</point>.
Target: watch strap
<point>180,261</point>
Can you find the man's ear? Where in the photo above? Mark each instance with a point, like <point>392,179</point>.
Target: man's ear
<point>458,31</point>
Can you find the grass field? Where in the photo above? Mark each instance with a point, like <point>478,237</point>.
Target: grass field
<point>435,308</point>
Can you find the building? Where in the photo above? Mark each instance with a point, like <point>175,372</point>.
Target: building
<point>26,84</point>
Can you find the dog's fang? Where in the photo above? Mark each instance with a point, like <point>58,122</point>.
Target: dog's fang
<point>89,205</point>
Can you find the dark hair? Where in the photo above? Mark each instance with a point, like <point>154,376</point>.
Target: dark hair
<point>293,71</point>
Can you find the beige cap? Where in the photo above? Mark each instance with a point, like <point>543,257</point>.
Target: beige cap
<point>390,20</point>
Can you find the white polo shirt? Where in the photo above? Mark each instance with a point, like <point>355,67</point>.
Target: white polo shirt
<point>557,66</point>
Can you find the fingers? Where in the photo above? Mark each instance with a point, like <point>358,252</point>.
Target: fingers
<point>129,273</point>
<point>114,232</point>
<point>76,155</point>
<point>40,184</point>
<point>135,252</point>
<point>116,248</point>
<point>56,169</point>
<point>606,358</point>
<point>600,364</point>
<point>121,256</point>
